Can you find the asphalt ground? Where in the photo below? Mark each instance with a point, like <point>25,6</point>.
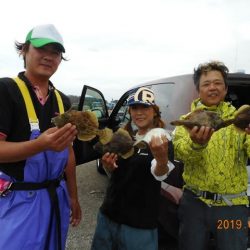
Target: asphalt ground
<point>91,190</point>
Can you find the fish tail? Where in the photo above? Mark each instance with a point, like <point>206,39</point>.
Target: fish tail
<point>128,154</point>
<point>225,123</point>
<point>176,123</point>
<point>105,135</point>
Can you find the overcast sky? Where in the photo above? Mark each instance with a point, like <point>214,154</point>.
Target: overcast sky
<point>113,44</point>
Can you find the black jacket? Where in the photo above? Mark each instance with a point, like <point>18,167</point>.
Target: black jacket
<point>133,194</point>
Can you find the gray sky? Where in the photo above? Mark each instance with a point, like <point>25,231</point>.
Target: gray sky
<point>113,44</point>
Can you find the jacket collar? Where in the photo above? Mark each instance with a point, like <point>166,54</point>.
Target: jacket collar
<point>224,109</point>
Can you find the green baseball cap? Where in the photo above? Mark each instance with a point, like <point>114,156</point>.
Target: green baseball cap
<point>45,34</point>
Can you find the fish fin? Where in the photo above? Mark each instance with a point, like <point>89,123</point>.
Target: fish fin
<point>177,122</point>
<point>224,124</point>
<point>98,147</point>
<point>128,154</point>
<point>123,132</point>
<point>140,144</point>
<point>84,137</point>
<point>105,135</point>
<point>185,123</point>
<point>92,117</point>
<point>242,117</point>
<point>241,109</point>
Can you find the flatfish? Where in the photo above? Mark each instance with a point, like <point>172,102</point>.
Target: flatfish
<point>86,123</point>
<point>212,119</point>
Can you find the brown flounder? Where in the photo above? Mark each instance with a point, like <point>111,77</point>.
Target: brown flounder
<point>86,124</point>
<point>200,118</point>
<point>211,119</point>
<point>242,117</point>
<point>121,144</point>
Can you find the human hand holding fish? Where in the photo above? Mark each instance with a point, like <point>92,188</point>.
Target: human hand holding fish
<point>86,123</point>
<point>109,161</point>
<point>200,135</point>
<point>159,148</point>
<point>57,139</point>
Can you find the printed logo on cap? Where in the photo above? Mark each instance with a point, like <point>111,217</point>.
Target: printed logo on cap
<point>144,95</point>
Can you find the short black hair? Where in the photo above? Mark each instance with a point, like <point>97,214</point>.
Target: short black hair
<point>20,47</point>
<point>207,67</point>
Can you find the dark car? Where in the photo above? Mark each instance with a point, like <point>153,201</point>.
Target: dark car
<point>174,96</point>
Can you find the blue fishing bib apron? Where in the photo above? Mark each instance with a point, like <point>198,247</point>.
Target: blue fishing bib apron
<point>35,213</point>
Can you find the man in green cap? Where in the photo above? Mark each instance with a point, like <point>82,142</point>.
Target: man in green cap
<point>38,192</point>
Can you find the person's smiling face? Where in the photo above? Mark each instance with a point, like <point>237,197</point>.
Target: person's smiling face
<point>142,116</point>
<point>43,61</point>
<point>212,88</point>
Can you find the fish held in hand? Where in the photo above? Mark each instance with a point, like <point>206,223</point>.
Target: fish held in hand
<point>156,132</point>
<point>242,117</point>
<point>200,118</point>
<point>86,123</point>
<point>121,144</point>
<point>211,119</point>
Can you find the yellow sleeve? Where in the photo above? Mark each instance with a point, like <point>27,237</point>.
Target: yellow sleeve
<point>184,148</point>
<point>247,145</point>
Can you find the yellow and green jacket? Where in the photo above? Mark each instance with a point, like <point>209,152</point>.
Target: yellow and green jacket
<point>220,166</point>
